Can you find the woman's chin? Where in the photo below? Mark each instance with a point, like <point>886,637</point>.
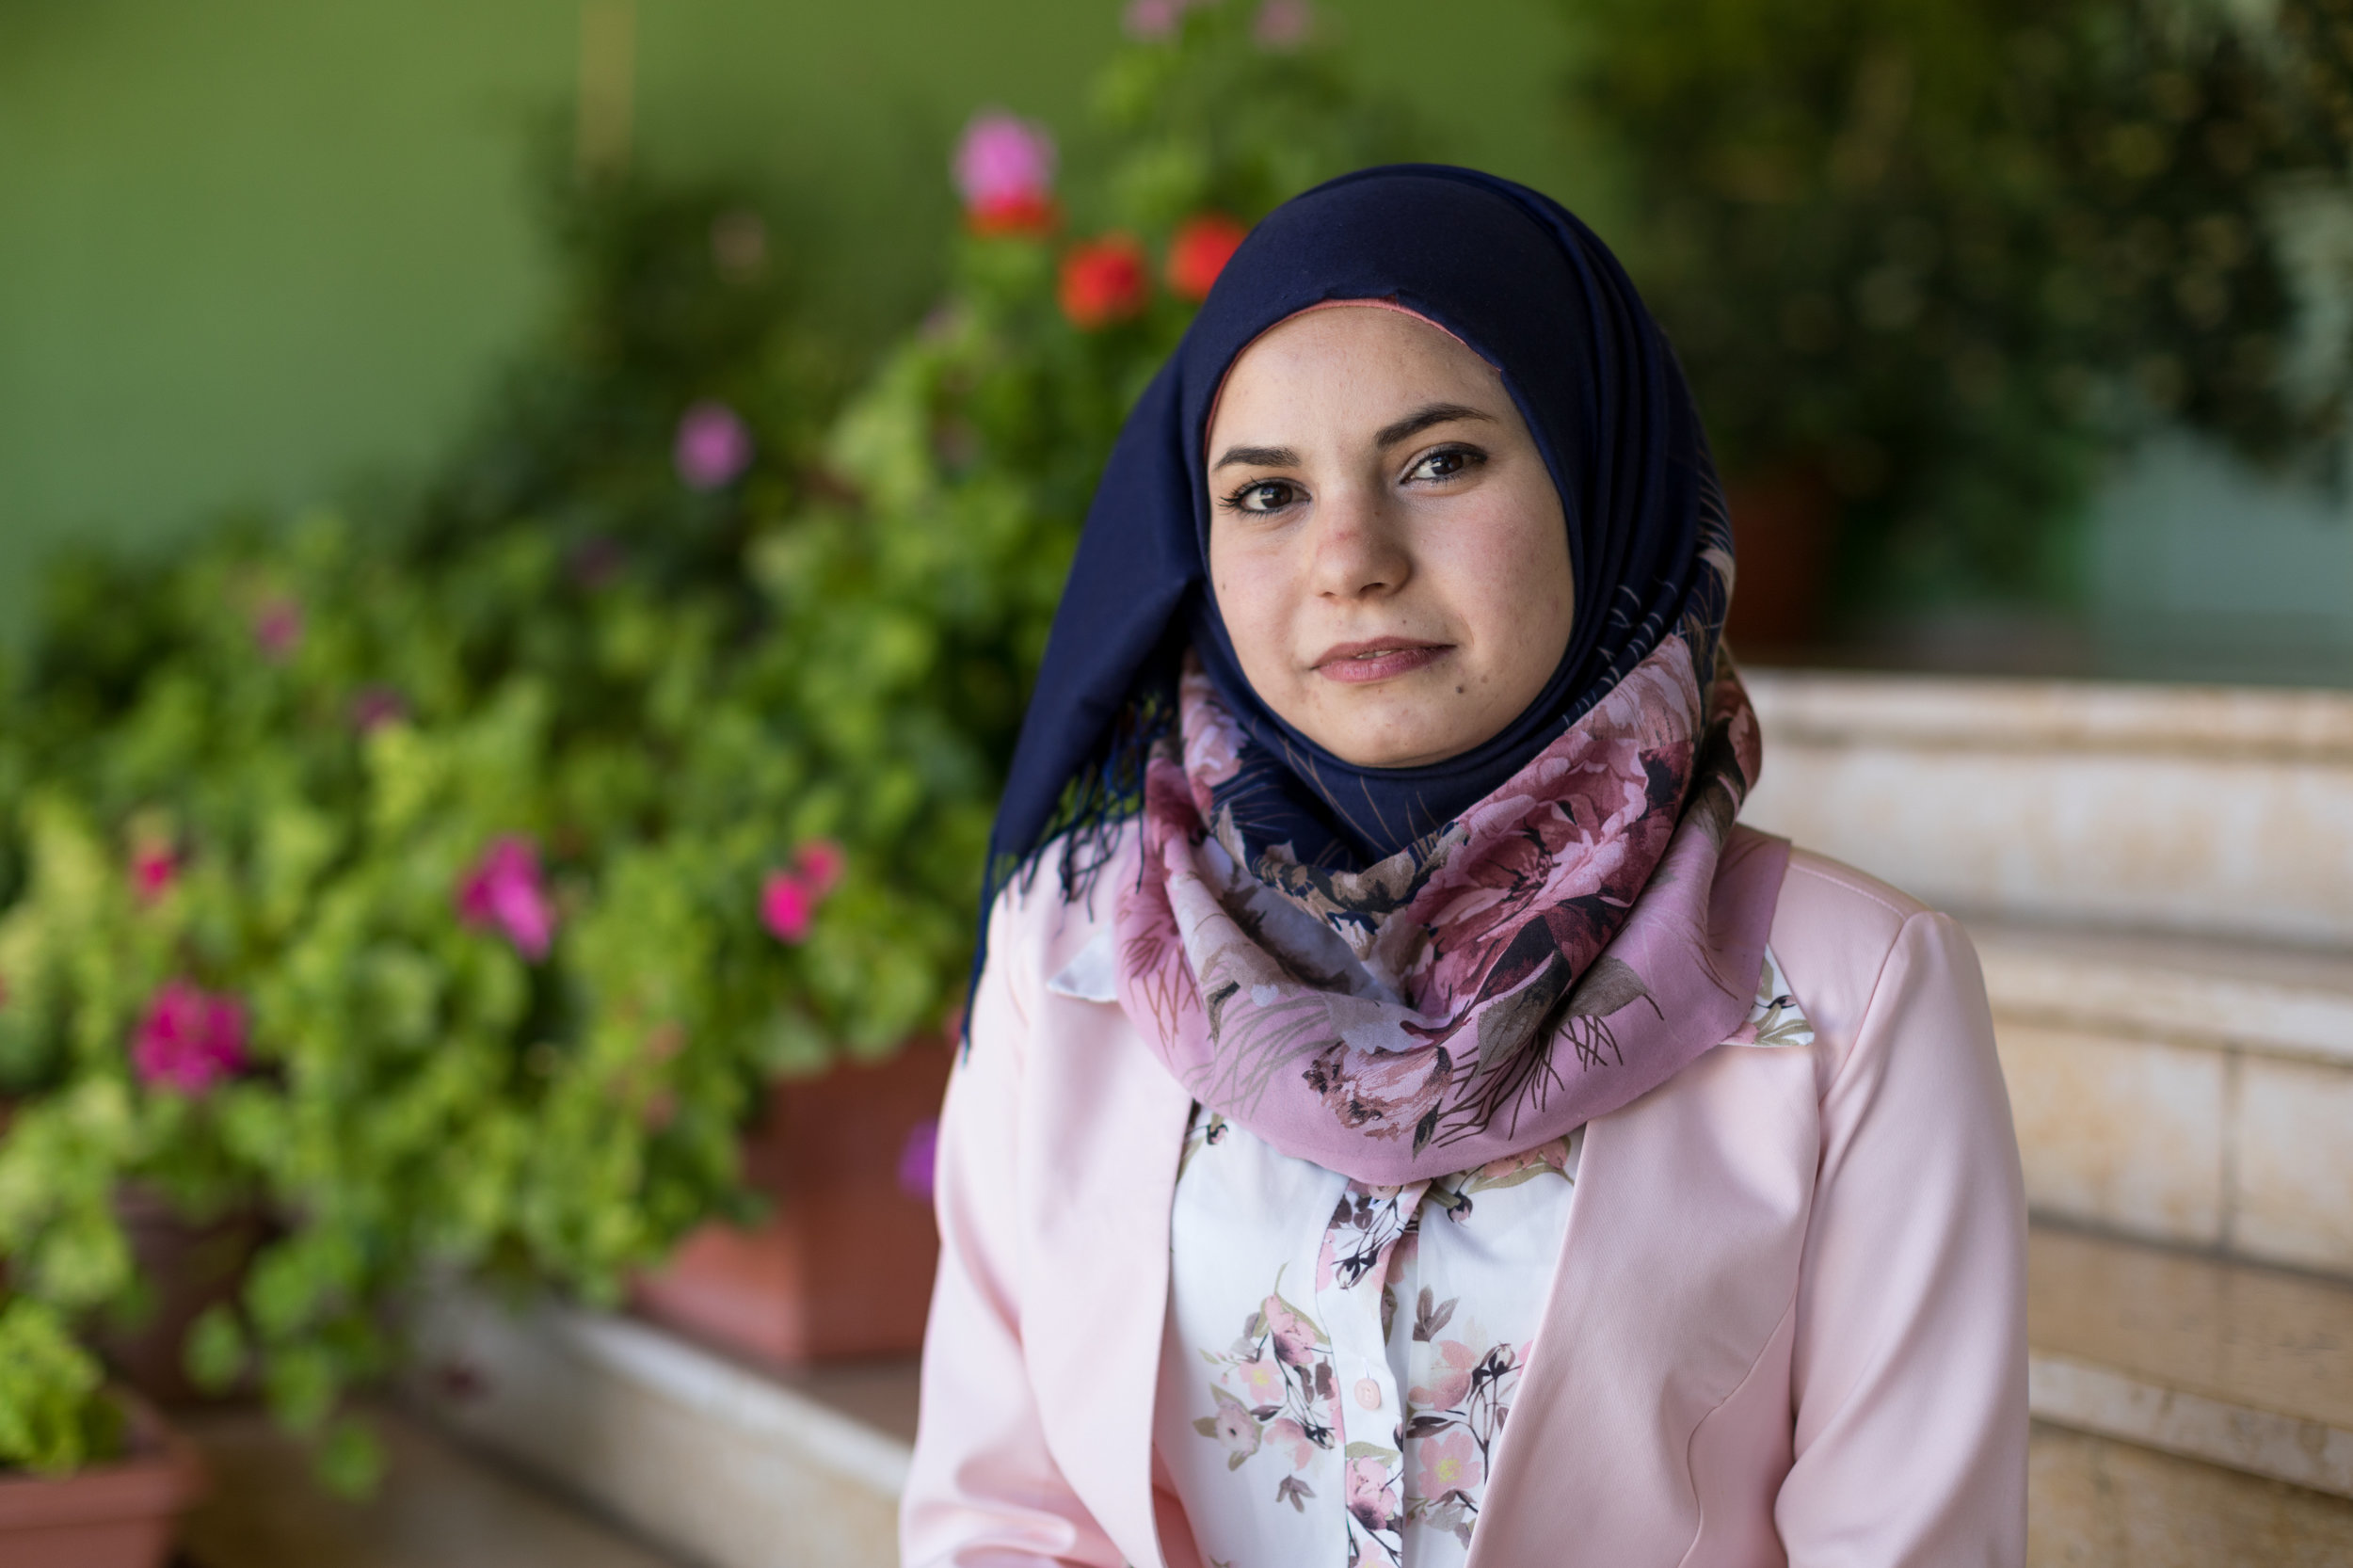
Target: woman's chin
<point>1398,730</point>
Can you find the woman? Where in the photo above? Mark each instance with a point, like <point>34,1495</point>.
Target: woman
<point>1404,1119</point>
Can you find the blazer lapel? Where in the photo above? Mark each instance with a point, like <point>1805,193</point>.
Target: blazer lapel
<point>1096,1286</point>
<point>1680,1260</point>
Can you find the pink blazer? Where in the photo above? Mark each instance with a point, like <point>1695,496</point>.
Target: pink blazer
<point>1788,1326</point>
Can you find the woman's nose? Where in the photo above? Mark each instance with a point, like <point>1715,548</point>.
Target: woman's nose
<point>1359,550</point>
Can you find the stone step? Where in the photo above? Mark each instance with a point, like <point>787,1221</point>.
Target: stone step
<point>2093,1502</point>
<point>724,1465</point>
<point>2219,1394</point>
<point>2271,998</point>
<point>440,1506</point>
<point>2192,1090</point>
<point>2170,807</point>
<point>2226,1363</point>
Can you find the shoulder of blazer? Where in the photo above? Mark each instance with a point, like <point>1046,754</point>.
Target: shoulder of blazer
<point>1832,931</point>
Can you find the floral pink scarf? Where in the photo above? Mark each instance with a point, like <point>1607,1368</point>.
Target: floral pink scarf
<point>1566,945</point>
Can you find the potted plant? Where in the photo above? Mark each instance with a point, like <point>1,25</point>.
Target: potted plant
<point>445,896</point>
<point>914,586</point>
<point>89,1476</point>
<point>411,890</point>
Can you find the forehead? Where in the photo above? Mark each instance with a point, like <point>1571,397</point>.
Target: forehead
<point>1351,358</point>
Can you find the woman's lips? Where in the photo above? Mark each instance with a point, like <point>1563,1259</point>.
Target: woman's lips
<point>1382,659</point>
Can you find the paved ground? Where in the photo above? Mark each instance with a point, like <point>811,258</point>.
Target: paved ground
<point>441,1507</point>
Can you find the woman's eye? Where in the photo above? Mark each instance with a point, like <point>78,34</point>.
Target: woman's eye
<point>1267,495</point>
<point>1445,463</point>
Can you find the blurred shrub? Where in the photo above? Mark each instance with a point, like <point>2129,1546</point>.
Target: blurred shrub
<point>54,1416</point>
<point>1942,253</point>
<point>445,892</point>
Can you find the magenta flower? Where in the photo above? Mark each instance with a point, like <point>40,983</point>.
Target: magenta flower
<point>188,1039</point>
<point>1005,162</point>
<point>786,905</point>
<point>714,445</point>
<point>153,868</point>
<point>504,893</point>
<point>1284,24</point>
<point>919,1159</point>
<point>278,629</point>
<point>820,862</point>
<point>374,707</point>
<point>788,899</point>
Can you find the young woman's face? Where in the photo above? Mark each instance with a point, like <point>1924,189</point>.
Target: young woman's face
<point>1387,549</point>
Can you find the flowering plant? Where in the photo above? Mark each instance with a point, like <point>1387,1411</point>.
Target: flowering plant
<point>405,886</point>
<point>444,889</point>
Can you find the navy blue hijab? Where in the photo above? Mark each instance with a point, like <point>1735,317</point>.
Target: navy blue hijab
<point>1526,285</point>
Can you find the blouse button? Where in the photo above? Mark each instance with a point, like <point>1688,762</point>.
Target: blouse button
<point>1368,1393</point>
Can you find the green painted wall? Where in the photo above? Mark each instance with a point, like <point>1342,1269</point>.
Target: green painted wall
<point>253,250</point>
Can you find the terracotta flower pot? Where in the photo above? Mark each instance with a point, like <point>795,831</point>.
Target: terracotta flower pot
<point>120,1516</point>
<point>1784,521</point>
<point>842,1265</point>
<point>190,1267</point>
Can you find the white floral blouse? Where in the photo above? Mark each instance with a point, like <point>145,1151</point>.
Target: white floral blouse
<point>1340,1361</point>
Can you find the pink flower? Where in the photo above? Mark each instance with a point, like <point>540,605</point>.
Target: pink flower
<point>1449,1375</point>
<point>1449,1462</point>
<point>1154,19</point>
<point>188,1039</point>
<point>820,862</point>
<point>786,905</point>
<point>1290,1434</point>
<point>788,899</point>
<point>278,629</point>
<point>1295,1338</point>
<point>714,445</point>
<point>1236,1428</point>
<point>504,893</point>
<point>1371,1498</point>
<point>153,868</point>
<point>919,1159</point>
<point>1004,165</point>
<point>374,707</point>
<point>1261,1381</point>
<point>1284,24</point>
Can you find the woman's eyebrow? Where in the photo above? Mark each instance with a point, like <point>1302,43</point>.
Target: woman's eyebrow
<point>1258,456</point>
<point>1422,418</point>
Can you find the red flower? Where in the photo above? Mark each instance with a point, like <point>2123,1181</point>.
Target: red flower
<point>1020,215</point>
<point>188,1039</point>
<point>1204,244</point>
<point>1104,281</point>
<point>503,891</point>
